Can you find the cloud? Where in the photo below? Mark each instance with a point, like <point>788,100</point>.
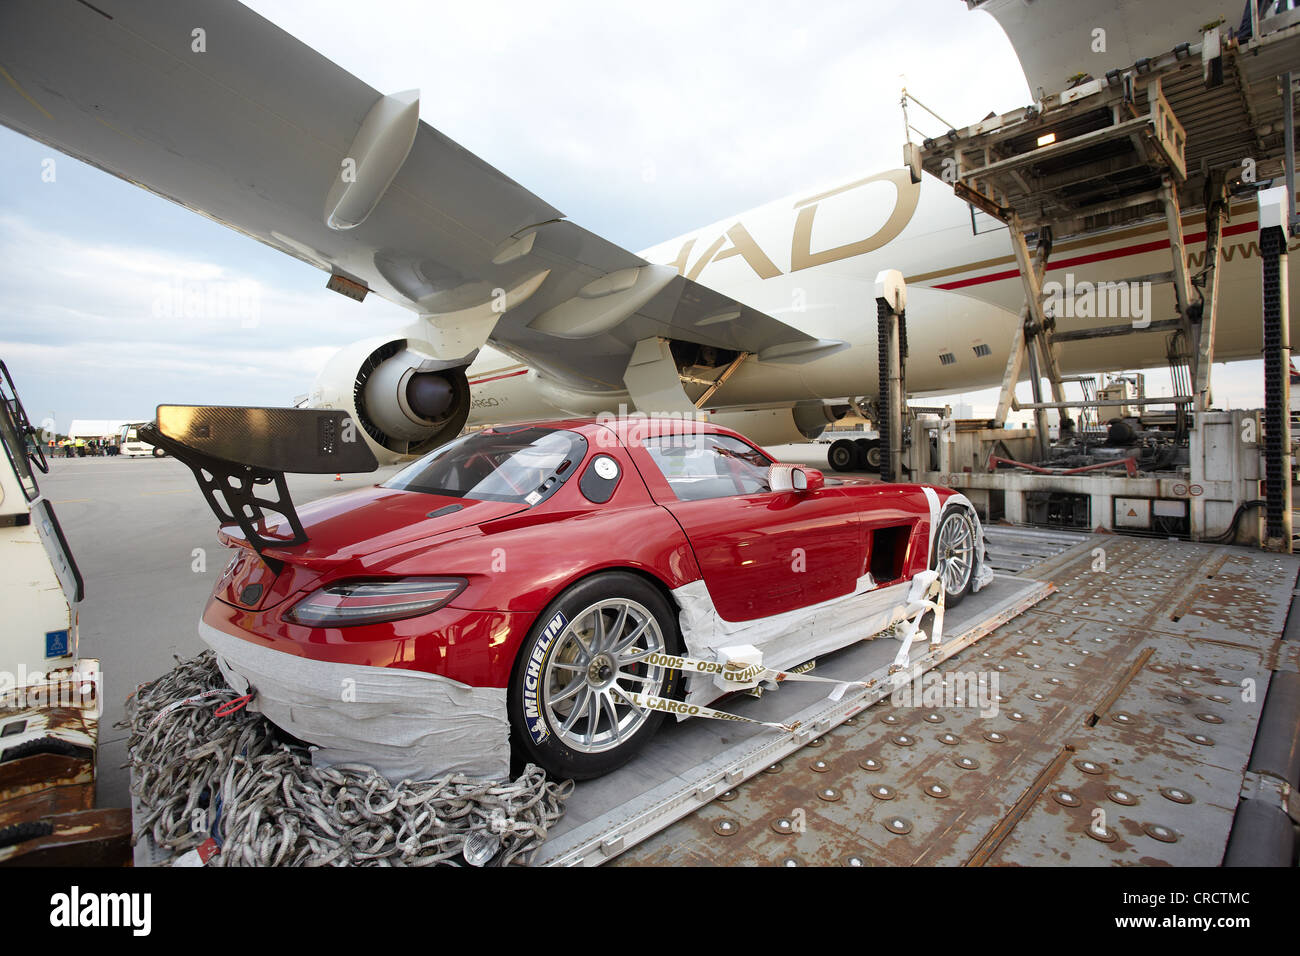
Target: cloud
<point>640,122</point>
<point>93,329</point>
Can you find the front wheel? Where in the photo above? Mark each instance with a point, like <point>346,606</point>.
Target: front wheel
<point>955,553</point>
<point>577,696</point>
<point>158,452</point>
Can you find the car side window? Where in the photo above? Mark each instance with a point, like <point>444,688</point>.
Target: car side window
<point>709,466</point>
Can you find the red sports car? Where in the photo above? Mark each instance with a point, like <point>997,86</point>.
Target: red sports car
<point>520,584</point>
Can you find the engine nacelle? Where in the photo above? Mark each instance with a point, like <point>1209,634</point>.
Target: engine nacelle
<point>406,402</point>
<point>782,426</point>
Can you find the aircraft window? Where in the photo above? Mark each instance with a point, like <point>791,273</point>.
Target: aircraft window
<point>524,464</point>
<point>709,466</point>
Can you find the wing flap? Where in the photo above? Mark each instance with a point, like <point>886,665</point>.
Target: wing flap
<point>252,128</point>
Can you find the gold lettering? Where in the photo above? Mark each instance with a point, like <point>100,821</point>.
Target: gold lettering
<point>680,262</point>
<point>705,259</point>
<point>801,254</point>
<point>743,245</point>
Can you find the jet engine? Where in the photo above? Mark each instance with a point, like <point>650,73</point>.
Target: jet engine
<point>782,426</point>
<point>405,401</point>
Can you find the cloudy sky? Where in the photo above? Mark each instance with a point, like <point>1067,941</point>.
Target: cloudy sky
<point>640,122</point>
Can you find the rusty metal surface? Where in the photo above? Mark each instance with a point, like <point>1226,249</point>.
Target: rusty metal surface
<point>48,748</point>
<point>1127,707</point>
<point>68,798</point>
<point>85,838</point>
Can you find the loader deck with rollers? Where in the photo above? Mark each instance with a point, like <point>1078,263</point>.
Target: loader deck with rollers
<point>1129,677</point>
<point>1102,702</point>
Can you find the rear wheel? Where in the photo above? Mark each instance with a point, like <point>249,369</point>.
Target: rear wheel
<point>158,452</point>
<point>955,553</point>
<point>582,670</point>
<point>872,456</point>
<point>843,455</point>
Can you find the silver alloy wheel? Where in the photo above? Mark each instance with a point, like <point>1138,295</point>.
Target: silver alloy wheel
<point>597,659</point>
<point>955,549</point>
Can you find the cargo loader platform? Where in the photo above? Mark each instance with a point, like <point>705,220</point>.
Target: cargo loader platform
<point>1129,703</point>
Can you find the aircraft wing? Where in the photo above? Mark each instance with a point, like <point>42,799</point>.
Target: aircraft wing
<point>1059,39</point>
<point>248,126</point>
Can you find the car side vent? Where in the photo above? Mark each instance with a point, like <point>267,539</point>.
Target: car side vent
<point>947,358</point>
<point>981,350</point>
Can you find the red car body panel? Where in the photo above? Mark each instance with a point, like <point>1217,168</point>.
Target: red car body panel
<point>516,559</point>
<point>766,554</point>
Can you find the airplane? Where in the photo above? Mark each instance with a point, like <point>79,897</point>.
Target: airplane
<point>764,320</point>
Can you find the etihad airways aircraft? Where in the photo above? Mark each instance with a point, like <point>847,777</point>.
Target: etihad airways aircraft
<point>519,313</point>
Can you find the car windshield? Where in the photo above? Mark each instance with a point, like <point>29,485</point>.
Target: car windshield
<point>524,464</point>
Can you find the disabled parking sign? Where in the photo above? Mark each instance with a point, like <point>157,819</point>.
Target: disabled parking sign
<point>57,644</point>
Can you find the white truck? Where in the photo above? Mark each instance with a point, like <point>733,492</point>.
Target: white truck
<point>130,445</point>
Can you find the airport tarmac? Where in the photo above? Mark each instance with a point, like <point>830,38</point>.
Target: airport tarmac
<point>146,545</point>
<point>147,548</point>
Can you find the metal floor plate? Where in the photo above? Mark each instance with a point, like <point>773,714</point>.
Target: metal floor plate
<point>1128,702</point>
<point>1012,550</point>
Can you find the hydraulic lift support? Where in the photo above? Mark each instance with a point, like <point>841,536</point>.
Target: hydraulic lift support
<point>1175,129</point>
<point>891,319</point>
<point>1275,206</point>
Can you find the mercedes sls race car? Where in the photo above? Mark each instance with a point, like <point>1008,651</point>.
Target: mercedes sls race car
<point>525,586</point>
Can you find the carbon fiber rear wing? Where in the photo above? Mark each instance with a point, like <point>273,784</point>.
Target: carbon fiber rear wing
<point>238,453</point>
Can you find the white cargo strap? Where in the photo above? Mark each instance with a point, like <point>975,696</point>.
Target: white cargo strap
<point>926,595</point>
<point>693,710</point>
<point>742,666</point>
<point>215,692</point>
<point>734,675</point>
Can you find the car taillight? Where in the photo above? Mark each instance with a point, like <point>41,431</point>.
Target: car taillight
<point>369,602</point>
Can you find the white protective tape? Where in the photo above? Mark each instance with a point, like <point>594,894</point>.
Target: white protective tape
<point>740,667</point>
<point>684,710</point>
<point>784,641</point>
<point>741,673</point>
<point>788,639</point>
<point>408,725</point>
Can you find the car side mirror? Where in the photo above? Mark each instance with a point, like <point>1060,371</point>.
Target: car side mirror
<point>794,478</point>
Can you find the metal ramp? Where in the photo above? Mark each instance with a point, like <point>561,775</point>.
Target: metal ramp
<point>692,763</point>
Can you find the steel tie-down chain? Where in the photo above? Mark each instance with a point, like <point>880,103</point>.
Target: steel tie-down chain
<point>197,775</point>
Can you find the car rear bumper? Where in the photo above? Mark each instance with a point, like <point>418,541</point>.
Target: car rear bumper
<point>406,724</point>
